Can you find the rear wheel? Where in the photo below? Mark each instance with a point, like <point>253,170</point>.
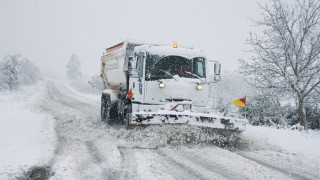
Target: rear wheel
<point>128,115</point>
<point>102,108</point>
<point>105,109</point>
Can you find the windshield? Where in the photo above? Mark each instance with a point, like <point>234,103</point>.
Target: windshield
<point>165,67</point>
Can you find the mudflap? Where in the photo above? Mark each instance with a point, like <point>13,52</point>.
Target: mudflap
<point>190,118</point>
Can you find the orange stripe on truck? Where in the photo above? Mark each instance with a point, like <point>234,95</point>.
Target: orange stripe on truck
<point>113,48</point>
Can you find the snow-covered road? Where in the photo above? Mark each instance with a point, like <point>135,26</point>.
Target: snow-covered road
<point>90,149</point>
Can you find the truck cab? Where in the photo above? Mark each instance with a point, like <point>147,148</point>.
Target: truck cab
<point>162,75</point>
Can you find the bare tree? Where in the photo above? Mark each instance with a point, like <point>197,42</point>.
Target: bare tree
<point>286,57</point>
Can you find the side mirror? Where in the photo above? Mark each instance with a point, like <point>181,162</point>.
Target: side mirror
<point>130,65</point>
<point>217,68</point>
<point>214,71</point>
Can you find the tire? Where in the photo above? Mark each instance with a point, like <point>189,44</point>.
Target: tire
<point>102,112</point>
<point>106,109</point>
<point>128,116</point>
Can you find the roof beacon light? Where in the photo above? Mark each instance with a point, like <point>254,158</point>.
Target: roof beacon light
<point>175,45</point>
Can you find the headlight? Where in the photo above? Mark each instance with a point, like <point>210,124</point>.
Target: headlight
<point>161,85</point>
<point>199,87</point>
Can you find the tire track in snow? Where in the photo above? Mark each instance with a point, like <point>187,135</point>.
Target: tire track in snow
<point>176,169</point>
<point>165,164</point>
<point>191,169</point>
<point>109,173</point>
<point>128,163</point>
<point>55,91</point>
<point>69,91</point>
<point>227,173</point>
<point>277,168</point>
<point>73,135</point>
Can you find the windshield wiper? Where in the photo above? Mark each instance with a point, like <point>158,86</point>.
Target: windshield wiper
<point>167,73</point>
<point>195,76</point>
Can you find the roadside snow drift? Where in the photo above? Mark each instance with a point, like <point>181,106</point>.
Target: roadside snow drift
<point>27,135</point>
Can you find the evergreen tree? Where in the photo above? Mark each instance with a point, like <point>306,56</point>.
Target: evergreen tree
<point>73,68</point>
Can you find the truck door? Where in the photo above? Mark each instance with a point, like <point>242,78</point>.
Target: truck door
<point>138,79</point>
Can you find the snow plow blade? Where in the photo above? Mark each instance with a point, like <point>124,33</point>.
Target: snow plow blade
<point>194,119</point>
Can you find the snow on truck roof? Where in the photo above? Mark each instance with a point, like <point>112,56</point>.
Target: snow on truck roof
<point>164,49</point>
<point>169,50</point>
<point>130,41</point>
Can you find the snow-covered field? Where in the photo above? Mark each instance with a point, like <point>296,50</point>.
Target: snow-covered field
<point>27,133</point>
<point>53,125</point>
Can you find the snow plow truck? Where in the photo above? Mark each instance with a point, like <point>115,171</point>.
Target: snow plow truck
<point>147,84</point>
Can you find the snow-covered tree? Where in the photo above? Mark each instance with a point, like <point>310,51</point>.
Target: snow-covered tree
<point>264,108</point>
<point>287,56</point>
<point>29,73</point>
<point>16,71</point>
<point>10,69</point>
<point>73,68</point>
<point>230,87</point>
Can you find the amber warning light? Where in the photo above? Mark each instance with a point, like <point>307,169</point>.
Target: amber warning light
<point>175,45</point>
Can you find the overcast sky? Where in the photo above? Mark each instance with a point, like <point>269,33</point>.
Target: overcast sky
<point>49,31</point>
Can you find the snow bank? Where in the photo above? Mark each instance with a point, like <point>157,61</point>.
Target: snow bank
<point>27,135</point>
<point>283,139</point>
<point>292,151</point>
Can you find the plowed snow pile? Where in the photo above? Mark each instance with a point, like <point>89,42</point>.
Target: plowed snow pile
<point>162,135</point>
